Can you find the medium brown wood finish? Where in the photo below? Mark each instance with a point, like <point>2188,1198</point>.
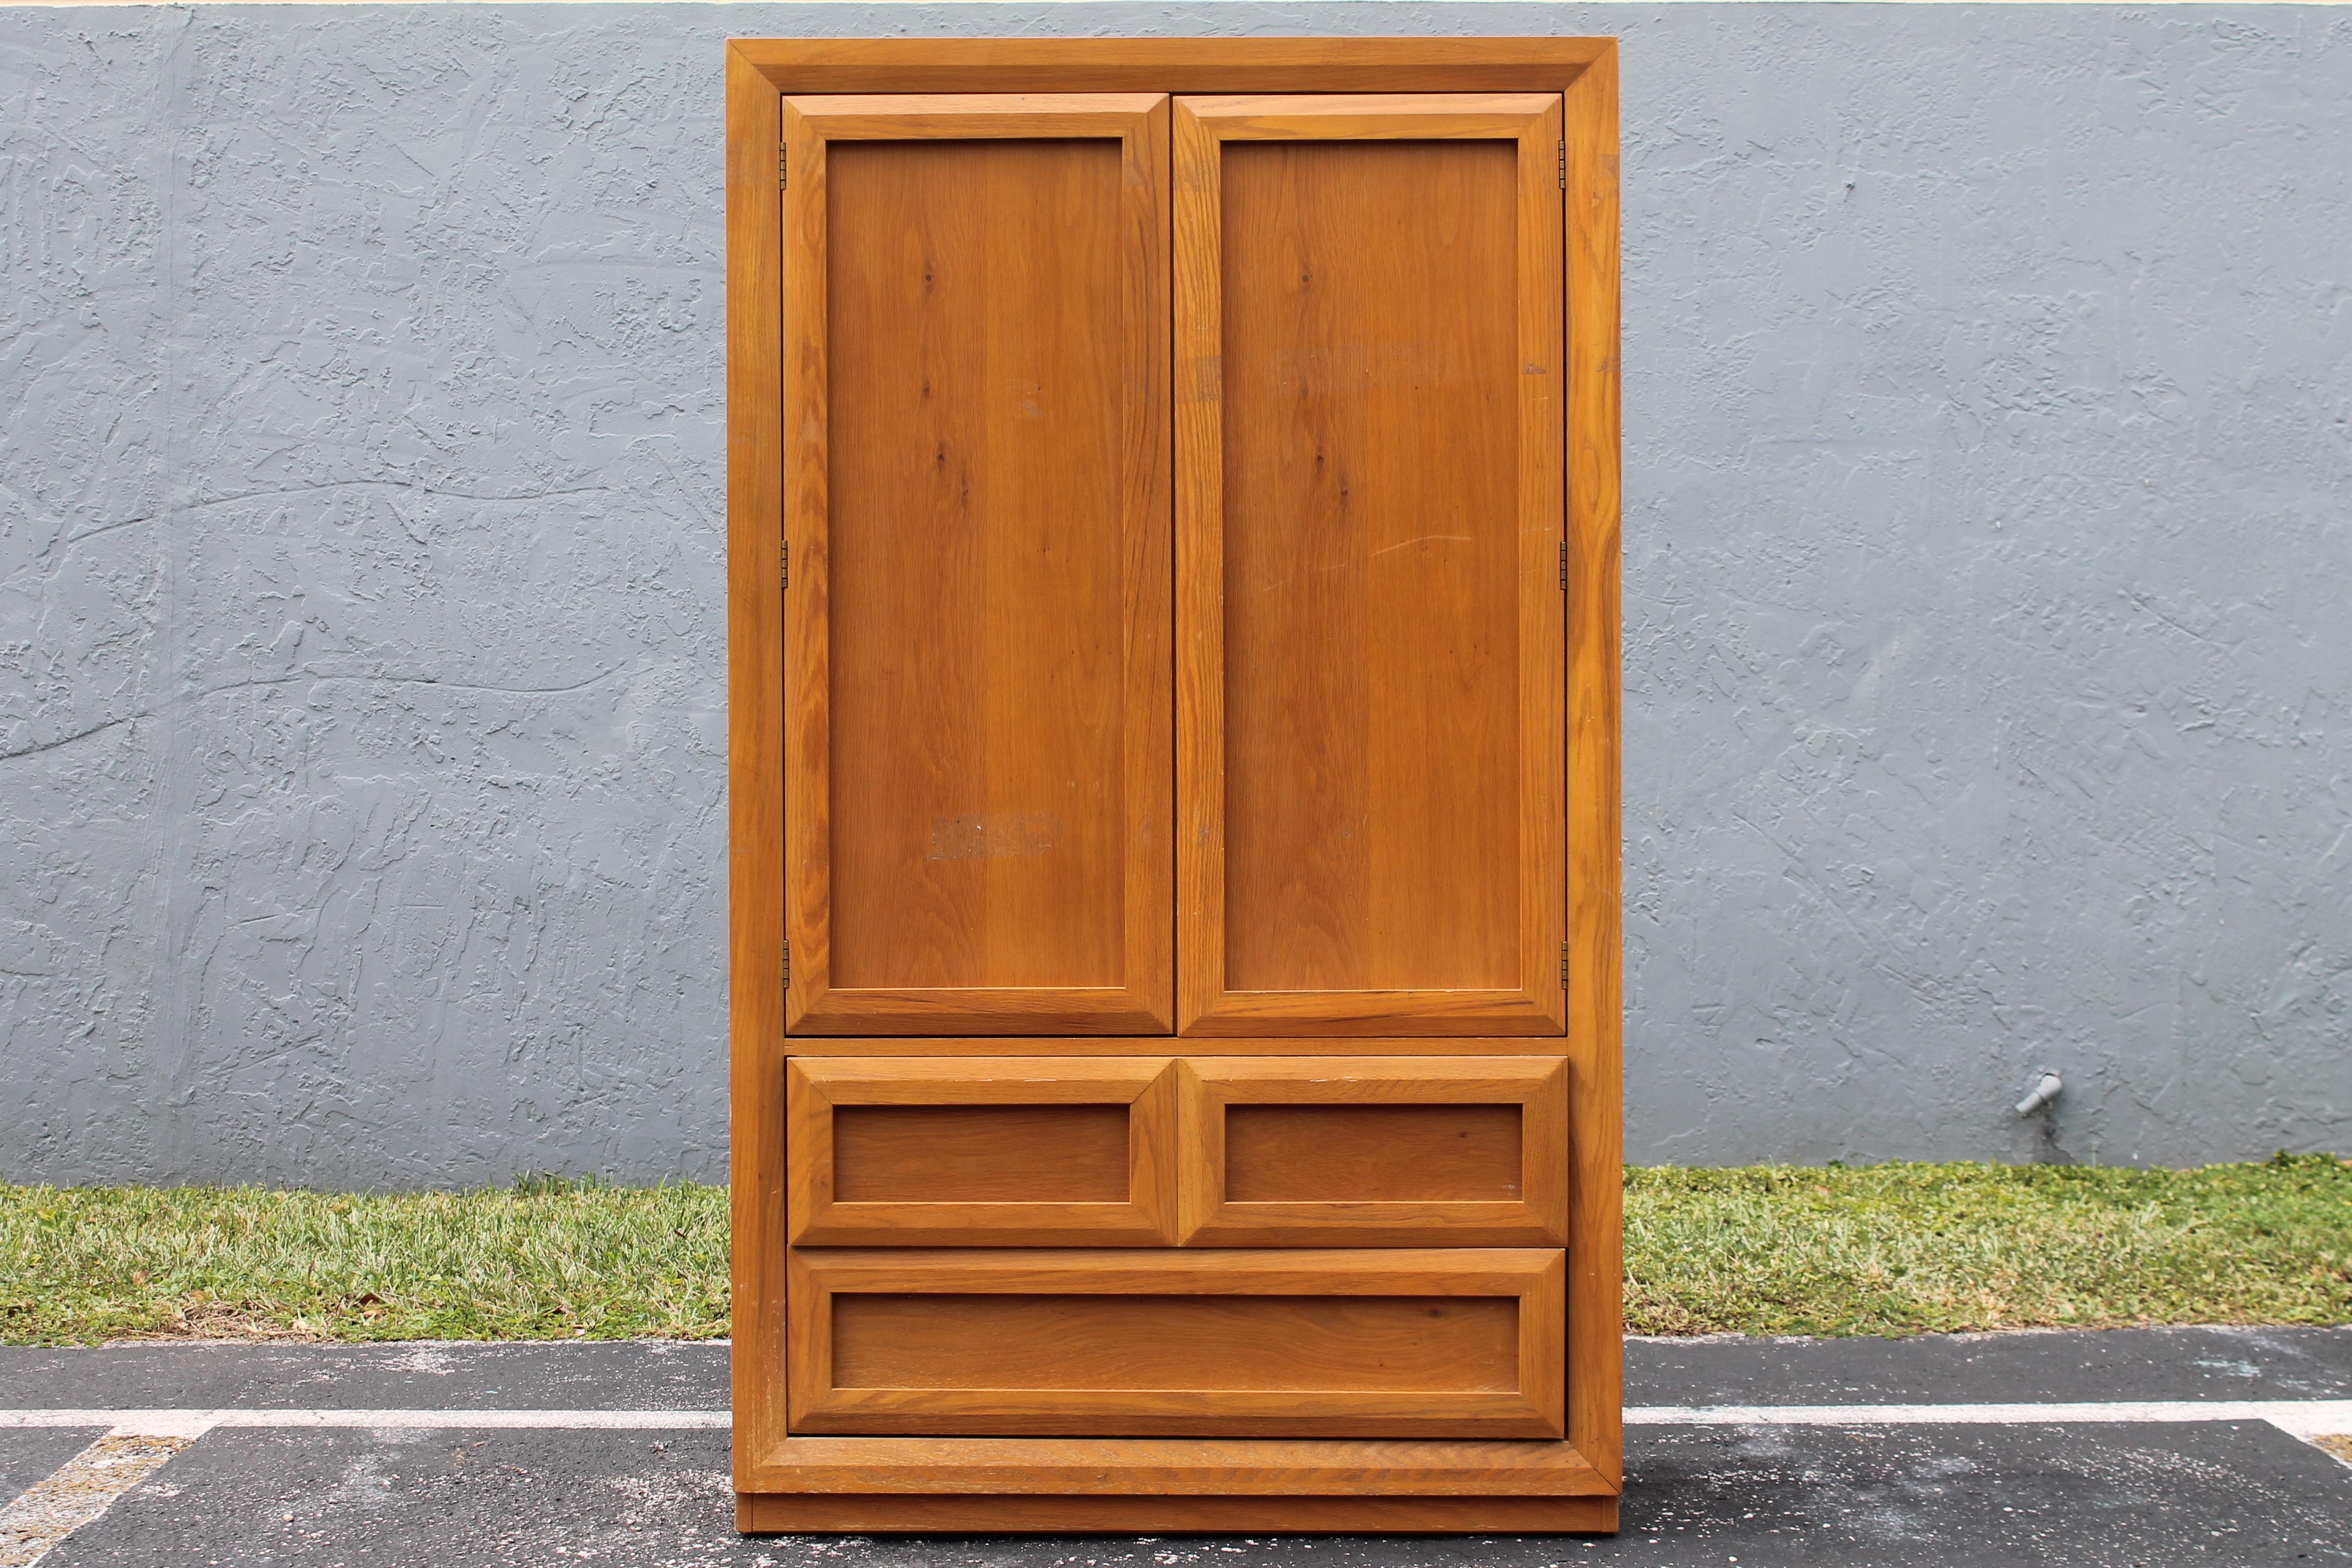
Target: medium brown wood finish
<point>1246,1151</point>
<point>976,482</point>
<point>755,795</point>
<point>1327,1343</point>
<point>1250,1515</point>
<point>1172,65</point>
<point>990,1184</point>
<point>1364,1178</point>
<point>1060,971</point>
<point>1372,1153</point>
<point>981,1154</point>
<point>812,1046</point>
<point>1200,1466</point>
<point>1369,520</point>
<point>1596,1086</point>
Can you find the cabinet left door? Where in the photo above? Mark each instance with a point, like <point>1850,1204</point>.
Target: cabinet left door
<point>977,531</point>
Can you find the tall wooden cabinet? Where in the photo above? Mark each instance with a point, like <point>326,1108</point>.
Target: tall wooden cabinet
<point>1172,593</point>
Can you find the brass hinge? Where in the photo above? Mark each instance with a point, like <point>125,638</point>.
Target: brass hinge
<point>1563,565</point>
<point>784,566</point>
<point>1563,164</point>
<point>784,152</point>
<point>1563,966</point>
<point>788,965</point>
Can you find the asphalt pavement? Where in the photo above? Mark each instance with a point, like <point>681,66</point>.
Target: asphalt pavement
<point>2027,1448</point>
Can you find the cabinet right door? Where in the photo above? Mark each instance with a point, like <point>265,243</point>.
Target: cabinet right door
<point>1369,519</point>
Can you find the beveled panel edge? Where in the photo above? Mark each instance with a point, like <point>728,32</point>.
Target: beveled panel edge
<point>1273,1466</point>
<point>1145,1086</point>
<point>1553,1046</point>
<point>1333,1414</point>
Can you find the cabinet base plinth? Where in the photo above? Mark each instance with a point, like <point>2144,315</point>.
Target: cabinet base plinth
<point>958,1514</point>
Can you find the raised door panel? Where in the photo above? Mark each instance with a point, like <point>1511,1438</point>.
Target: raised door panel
<point>1463,1343</point>
<point>1028,1152</point>
<point>1337,1151</point>
<point>976,481</point>
<point>1370,513</point>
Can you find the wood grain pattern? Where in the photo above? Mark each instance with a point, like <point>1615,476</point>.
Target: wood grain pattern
<point>958,1515</point>
<point>980,1154</point>
<point>978,741</point>
<point>1372,1153</point>
<point>755,798</point>
<point>1225,1204</point>
<point>1254,65</point>
<point>1334,1343</point>
<point>1596,1013</point>
<point>988,1187</point>
<point>1212,1466</point>
<point>1029,1483</point>
<point>947,1047</point>
<point>1368,512</point>
<point>1109,1350</point>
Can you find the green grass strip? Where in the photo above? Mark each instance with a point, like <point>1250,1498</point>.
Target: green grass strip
<point>549,1259</point>
<point>1915,1249</point>
<point>1880,1249</point>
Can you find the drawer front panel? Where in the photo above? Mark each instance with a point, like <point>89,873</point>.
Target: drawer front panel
<point>1343,1343</point>
<point>1036,1150</point>
<point>1339,1150</point>
<point>1195,1152</point>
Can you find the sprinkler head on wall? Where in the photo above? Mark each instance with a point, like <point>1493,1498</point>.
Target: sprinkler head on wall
<point>2043,1091</point>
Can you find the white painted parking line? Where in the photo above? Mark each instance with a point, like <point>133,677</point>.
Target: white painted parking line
<point>2304,1417</point>
<point>2300,1416</point>
<point>79,1490</point>
<point>196,1423</point>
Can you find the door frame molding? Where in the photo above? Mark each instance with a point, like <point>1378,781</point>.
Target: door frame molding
<point>759,73</point>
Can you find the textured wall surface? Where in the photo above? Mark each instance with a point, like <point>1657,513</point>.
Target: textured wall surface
<point>1988,605</point>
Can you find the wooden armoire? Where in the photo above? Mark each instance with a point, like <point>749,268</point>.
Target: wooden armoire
<point>1173,576</point>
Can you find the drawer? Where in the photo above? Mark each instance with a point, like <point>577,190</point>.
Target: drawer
<point>1350,1150</point>
<point>1038,1151</point>
<point>1159,1152</point>
<point>1341,1343</point>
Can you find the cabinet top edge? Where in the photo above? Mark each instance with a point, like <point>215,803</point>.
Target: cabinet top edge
<point>1172,65</point>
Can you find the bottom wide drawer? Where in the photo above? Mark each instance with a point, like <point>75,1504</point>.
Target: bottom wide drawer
<point>1461,1343</point>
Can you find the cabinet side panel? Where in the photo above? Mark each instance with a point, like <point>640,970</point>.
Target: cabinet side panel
<point>755,912</point>
<point>1595,771</point>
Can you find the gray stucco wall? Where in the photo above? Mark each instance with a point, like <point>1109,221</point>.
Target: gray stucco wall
<point>1988,607</point>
